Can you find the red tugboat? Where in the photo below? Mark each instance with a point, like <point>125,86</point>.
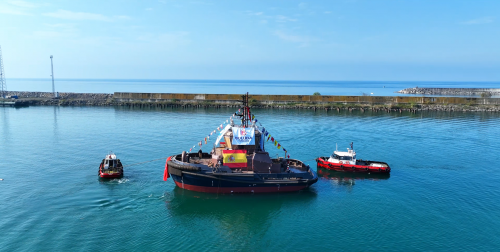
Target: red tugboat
<point>347,162</point>
<point>111,167</point>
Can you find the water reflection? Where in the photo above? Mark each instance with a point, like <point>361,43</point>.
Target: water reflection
<point>55,126</point>
<point>185,202</point>
<point>348,179</point>
<point>5,125</point>
<point>236,215</point>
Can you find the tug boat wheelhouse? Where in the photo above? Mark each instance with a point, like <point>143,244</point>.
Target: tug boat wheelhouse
<point>239,164</point>
<point>111,167</point>
<point>347,162</point>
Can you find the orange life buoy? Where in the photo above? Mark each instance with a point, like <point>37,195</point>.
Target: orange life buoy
<point>340,162</point>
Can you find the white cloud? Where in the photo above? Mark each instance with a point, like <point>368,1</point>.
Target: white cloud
<point>149,9</point>
<point>56,31</point>
<point>302,5</point>
<point>201,3</point>
<point>22,4</point>
<point>12,11</point>
<point>167,40</point>
<point>121,17</point>
<point>252,13</point>
<point>70,15</point>
<point>302,40</point>
<point>327,12</point>
<point>483,20</point>
<point>16,7</point>
<point>284,19</point>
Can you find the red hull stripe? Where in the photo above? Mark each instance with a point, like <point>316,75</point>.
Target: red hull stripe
<point>239,189</point>
<point>234,151</point>
<point>236,165</point>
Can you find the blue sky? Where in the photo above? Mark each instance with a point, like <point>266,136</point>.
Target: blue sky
<point>392,40</point>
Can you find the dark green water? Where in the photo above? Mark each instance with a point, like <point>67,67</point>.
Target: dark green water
<point>443,192</point>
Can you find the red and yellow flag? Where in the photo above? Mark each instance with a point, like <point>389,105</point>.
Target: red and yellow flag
<point>235,158</point>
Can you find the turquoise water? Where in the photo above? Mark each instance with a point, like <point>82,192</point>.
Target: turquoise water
<point>443,192</point>
<point>376,88</point>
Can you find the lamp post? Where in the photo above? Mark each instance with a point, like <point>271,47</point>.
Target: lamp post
<point>52,68</point>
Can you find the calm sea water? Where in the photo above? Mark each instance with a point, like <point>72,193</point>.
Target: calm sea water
<point>443,192</point>
<point>376,88</point>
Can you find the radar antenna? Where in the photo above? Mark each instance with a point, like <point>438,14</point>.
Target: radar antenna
<point>245,117</point>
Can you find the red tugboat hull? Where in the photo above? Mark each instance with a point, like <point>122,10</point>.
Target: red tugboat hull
<point>109,175</point>
<point>323,163</point>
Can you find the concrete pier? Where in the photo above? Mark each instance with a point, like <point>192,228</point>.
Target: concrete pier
<point>313,102</point>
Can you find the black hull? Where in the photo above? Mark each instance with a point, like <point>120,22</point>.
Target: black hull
<point>240,183</point>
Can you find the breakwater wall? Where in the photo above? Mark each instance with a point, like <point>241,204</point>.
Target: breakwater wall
<point>167,100</point>
<point>388,103</point>
<point>64,99</point>
<point>486,92</point>
<point>264,100</point>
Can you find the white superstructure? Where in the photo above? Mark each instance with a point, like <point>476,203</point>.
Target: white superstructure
<point>343,157</point>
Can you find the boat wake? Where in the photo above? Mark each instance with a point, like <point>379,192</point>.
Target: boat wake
<point>122,180</point>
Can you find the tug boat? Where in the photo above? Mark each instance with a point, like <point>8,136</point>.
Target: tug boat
<point>239,164</point>
<point>347,162</point>
<point>111,167</point>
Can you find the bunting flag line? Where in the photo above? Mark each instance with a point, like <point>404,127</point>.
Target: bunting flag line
<point>279,146</point>
<point>275,143</point>
<point>268,138</point>
<point>272,139</point>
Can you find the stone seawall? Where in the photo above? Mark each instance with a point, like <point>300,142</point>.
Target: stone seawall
<point>169,100</point>
<point>452,91</point>
<point>64,99</point>
<point>264,100</point>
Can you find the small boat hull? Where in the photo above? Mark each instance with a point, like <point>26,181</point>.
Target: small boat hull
<point>323,163</point>
<point>110,175</point>
<point>116,173</point>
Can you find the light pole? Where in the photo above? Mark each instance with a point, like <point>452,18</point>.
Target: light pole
<point>52,68</point>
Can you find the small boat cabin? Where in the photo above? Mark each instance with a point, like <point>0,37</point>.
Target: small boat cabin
<point>340,157</point>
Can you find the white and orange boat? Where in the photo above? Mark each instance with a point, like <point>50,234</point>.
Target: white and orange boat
<point>111,167</point>
<point>347,162</point>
